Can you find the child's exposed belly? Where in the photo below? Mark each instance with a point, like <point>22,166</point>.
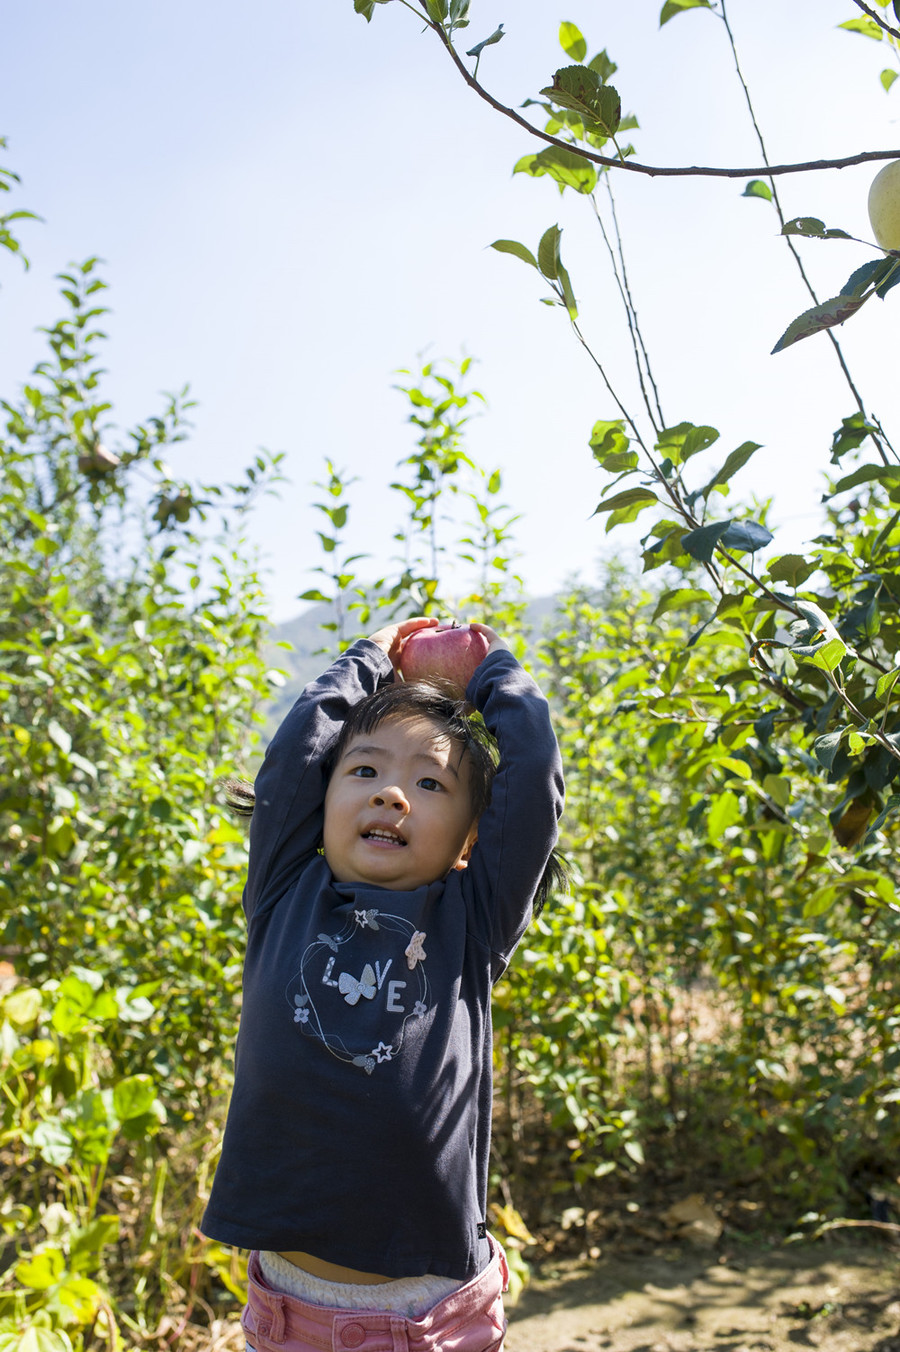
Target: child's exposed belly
<point>331,1272</point>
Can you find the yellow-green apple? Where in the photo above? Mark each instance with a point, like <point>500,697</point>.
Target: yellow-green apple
<point>448,653</point>
<point>884,205</point>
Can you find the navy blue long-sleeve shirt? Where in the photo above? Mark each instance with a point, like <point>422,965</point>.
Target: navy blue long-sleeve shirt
<point>359,1124</point>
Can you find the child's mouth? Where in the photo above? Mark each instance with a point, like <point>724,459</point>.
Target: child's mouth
<point>383,837</point>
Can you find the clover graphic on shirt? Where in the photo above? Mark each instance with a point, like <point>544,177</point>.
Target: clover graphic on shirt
<point>301,1014</point>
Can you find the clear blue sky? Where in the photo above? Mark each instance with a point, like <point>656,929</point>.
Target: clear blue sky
<point>292,203</point>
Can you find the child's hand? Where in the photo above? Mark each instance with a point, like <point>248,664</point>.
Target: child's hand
<point>393,636</point>
<point>493,638</point>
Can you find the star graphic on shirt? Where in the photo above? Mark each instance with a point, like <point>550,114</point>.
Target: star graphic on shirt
<point>383,1052</point>
<point>366,918</point>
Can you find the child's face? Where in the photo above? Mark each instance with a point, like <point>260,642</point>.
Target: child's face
<point>398,810</point>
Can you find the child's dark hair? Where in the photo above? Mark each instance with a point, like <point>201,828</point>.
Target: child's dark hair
<point>453,718</point>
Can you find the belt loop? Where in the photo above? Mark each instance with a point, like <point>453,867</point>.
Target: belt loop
<point>276,1305</point>
<point>400,1341</point>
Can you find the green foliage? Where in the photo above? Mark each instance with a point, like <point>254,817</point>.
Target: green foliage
<point>8,239</point>
<point>442,489</point>
<point>723,980</point>
<point>129,671</point>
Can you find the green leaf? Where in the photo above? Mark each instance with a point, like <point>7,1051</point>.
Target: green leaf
<point>367,7</point>
<point>891,278</point>
<point>81,1299</point>
<point>793,569</point>
<point>487,42</point>
<point>885,474</point>
<point>891,807</point>
<point>678,599</point>
<point>59,736</point>
<point>36,1338</point>
<point>736,767</point>
<point>548,253</point>
<point>735,461</point>
<point>568,293</point>
<point>826,748</point>
<point>810,227</point>
<point>851,434</point>
<point>53,1143</point>
<point>885,685</point>
<point>512,246</point>
<point>673,7</point>
<point>682,441</point>
<point>23,1005</point>
<point>746,536</point>
<point>887,78</point>
<point>630,498</point>
<point>725,811</point>
<point>701,543</point>
<point>603,66</point>
<point>757,187</point>
<point>565,167</point>
<point>580,89</point>
<point>87,1243</point>
<point>868,28</point>
<point>133,1096</point>
<point>42,1270</point>
<point>825,316</point>
<point>873,274</point>
<point>572,41</point>
<point>829,655</point>
<point>609,445</point>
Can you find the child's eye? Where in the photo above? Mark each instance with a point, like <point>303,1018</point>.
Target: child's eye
<point>432,785</point>
<point>363,771</point>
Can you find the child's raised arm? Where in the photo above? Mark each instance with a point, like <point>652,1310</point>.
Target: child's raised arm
<point>518,830</point>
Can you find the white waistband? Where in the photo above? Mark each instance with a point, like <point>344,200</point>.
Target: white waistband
<point>411,1296</point>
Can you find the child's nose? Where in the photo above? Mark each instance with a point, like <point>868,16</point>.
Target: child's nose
<point>390,795</point>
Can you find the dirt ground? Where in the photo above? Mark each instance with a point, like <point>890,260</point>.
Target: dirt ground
<point>836,1295</point>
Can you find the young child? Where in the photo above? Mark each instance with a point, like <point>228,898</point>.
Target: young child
<point>392,873</point>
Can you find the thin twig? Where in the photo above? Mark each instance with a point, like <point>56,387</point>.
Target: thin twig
<point>637,342</point>
<point>788,240</point>
<point>894,32</point>
<point>630,305</point>
<point>654,170</point>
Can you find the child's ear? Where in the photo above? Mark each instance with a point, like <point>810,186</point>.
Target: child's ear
<point>463,860</point>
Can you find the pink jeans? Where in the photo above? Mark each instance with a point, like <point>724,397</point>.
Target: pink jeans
<point>468,1320</point>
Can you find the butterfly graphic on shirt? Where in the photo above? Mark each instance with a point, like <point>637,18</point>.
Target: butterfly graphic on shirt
<point>351,989</point>
<point>373,965</point>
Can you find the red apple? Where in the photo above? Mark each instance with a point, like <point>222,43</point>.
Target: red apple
<point>449,654</point>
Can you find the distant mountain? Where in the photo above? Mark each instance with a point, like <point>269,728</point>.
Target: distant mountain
<point>295,648</point>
